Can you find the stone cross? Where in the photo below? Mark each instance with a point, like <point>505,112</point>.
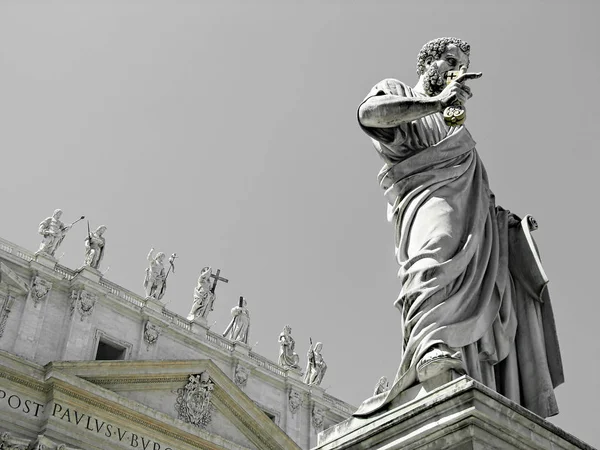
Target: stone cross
<point>452,75</point>
<point>217,279</point>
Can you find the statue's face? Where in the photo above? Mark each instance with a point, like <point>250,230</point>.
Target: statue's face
<point>452,58</point>
<point>57,214</point>
<point>434,78</point>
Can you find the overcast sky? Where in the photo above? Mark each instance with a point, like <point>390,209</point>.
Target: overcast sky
<point>226,132</point>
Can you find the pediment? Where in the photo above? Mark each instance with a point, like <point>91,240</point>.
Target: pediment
<point>174,388</point>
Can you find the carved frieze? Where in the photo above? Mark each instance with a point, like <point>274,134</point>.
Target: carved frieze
<point>241,375</point>
<point>151,334</point>
<point>193,403</point>
<point>295,401</point>
<point>83,301</point>
<point>39,290</point>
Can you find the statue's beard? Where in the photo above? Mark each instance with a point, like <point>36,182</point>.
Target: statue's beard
<point>433,81</point>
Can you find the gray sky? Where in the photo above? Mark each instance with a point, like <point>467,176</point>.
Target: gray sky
<point>226,132</point>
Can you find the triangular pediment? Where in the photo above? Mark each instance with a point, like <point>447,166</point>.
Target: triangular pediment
<point>174,388</point>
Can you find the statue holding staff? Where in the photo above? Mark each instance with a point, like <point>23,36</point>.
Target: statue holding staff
<point>54,231</point>
<point>474,297</point>
<point>94,247</point>
<point>155,281</point>
<point>315,366</point>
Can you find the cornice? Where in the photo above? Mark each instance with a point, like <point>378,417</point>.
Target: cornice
<point>122,413</point>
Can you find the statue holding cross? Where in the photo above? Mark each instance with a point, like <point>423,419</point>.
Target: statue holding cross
<point>204,293</point>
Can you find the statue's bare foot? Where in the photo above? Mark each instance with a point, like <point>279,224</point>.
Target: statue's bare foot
<point>437,361</point>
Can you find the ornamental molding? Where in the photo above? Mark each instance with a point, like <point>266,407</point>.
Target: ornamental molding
<point>233,408</point>
<point>19,379</point>
<point>145,380</point>
<point>122,414</point>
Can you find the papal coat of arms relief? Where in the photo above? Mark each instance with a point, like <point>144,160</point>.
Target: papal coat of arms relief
<point>193,403</point>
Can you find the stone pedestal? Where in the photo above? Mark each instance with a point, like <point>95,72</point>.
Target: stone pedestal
<point>154,305</point>
<point>45,260</point>
<point>461,414</point>
<point>88,273</point>
<point>199,326</point>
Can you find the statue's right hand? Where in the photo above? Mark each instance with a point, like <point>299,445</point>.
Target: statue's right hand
<point>454,94</point>
<point>457,92</point>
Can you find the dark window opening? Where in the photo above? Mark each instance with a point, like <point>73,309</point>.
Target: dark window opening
<point>270,416</point>
<point>108,352</point>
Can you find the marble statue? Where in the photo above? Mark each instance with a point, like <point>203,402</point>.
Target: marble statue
<point>287,357</point>
<point>204,297</point>
<point>94,247</point>
<point>473,295</point>
<point>381,386</point>
<point>239,327</point>
<point>53,231</point>
<point>315,367</point>
<point>156,276</point>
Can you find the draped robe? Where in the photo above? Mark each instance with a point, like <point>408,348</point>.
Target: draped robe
<point>462,265</point>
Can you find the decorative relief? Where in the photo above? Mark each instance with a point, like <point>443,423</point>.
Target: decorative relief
<point>241,375</point>
<point>41,442</point>
<point>193,403</point>
<point>317,417</point>
<point>295,401</point>
<point>151,334</point>
<point>84,302</point>
<point>381,386</point>
<point>4,312</point>
<point>8,443</point>
<point>39,290</point>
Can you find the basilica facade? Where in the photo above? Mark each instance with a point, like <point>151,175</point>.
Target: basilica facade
<point>87,364</point>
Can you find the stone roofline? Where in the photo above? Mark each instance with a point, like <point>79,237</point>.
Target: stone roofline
<point>212,343</point>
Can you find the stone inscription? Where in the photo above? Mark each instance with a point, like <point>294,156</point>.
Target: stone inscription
<point>107,430</point>
<point>24,405</point>
<point>31,408</point>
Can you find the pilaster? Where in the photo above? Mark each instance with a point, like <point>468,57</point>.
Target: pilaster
<point>32,317</point>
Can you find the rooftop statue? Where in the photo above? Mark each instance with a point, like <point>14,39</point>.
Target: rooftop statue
<point>315,367</point>
<point>155,281</point>
<point>203,297</point>
<point>204,293</point>
<point>474,297</point>
<point>94,247</point>
<point>54,231</point>
<point>288,358</point>
<point>239,327</point>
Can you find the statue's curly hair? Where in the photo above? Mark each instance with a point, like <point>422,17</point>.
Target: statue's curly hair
<point>433,49</point>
